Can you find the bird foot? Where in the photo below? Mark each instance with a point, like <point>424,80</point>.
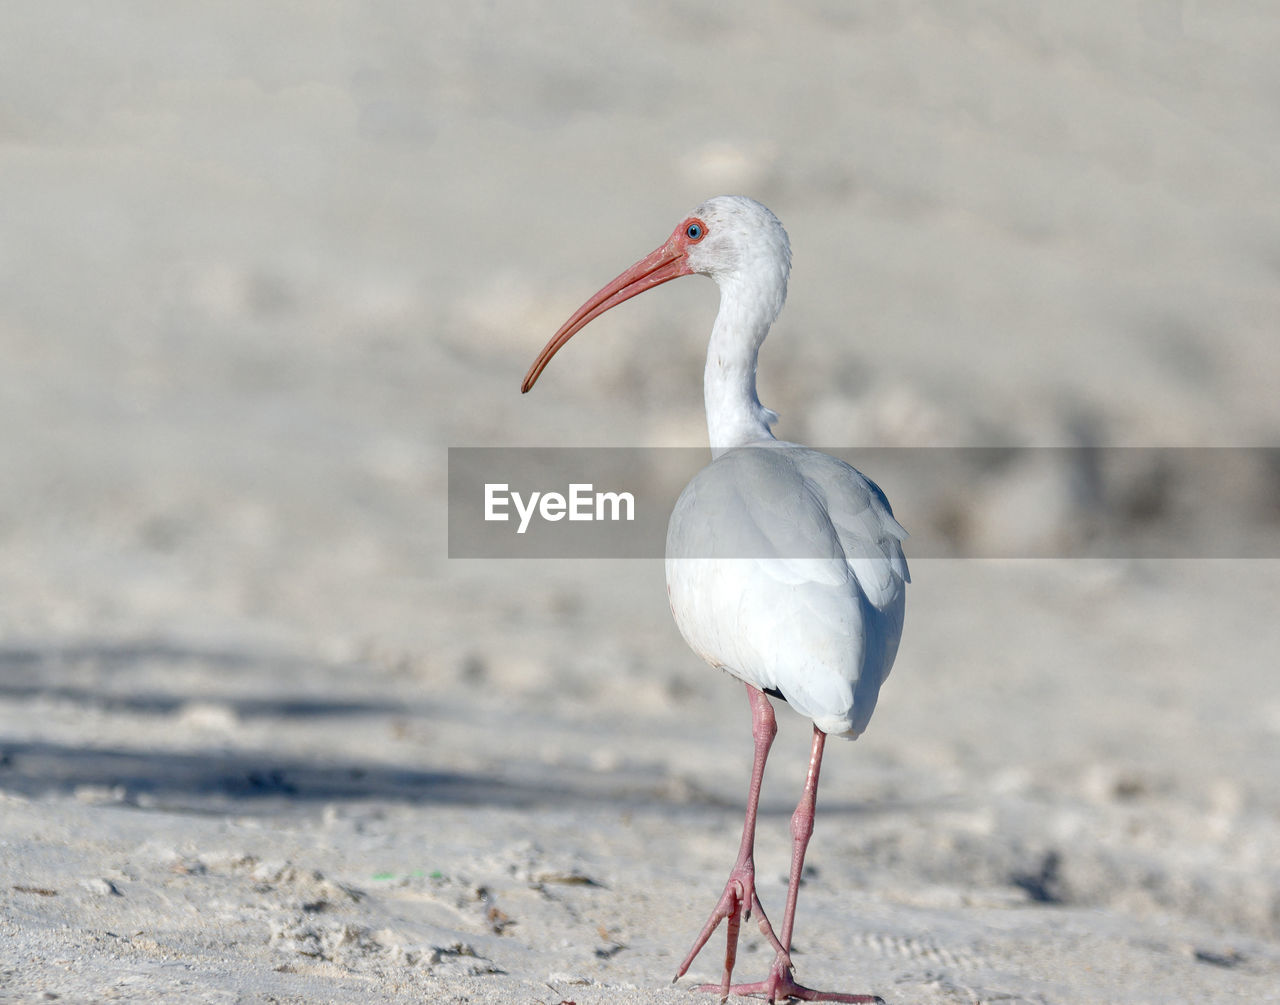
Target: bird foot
<point>735,906</point>
<point>780,986</point>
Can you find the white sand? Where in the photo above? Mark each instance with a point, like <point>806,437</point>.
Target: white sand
<point>260,740</point>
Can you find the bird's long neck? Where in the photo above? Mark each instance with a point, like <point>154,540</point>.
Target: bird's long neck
<point>734,414</point>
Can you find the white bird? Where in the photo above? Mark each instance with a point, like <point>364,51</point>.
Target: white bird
<point>784,565</point>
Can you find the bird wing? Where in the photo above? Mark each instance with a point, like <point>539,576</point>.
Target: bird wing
<point>785,567</point>
<point>860,514</point>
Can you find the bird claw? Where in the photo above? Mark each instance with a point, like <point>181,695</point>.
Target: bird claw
<point>735,906</point>
<point>796,991</point>
<point>781,986</point>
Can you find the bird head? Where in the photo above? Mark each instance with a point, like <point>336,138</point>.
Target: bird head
<point>731,238</point>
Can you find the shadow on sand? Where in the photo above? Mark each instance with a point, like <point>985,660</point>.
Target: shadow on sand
<point>97,680</point>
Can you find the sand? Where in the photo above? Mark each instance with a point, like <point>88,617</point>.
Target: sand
<point>261,739</point>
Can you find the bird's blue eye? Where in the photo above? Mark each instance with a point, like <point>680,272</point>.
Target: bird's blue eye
<point>693,231</point>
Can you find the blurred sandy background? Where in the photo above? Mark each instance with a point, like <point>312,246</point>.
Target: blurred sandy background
<point>261,264</point>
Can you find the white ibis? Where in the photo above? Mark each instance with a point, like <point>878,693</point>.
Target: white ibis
<point>784,565</point>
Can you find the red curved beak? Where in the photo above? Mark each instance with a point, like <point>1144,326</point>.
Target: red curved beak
<point>661,266</point>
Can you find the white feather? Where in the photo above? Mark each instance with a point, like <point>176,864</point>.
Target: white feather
<point>785,568</point>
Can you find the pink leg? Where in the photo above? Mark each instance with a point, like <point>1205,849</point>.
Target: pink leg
<point>739,898</point>
<point>780,985</point>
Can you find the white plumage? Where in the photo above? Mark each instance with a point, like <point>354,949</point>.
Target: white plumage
<point>784,565</point>
<point>785,568</point>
